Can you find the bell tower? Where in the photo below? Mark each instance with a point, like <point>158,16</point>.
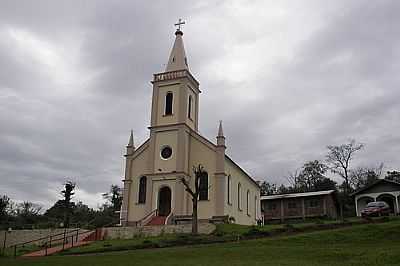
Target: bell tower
<point>175,91</point>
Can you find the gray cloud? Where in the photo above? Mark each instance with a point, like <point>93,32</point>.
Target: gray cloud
<point>294,78</point>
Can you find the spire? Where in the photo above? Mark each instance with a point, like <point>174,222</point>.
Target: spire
<point>177,59</point>
<point>131,146</point>
<point>220,130</point>
<point>220,136</point>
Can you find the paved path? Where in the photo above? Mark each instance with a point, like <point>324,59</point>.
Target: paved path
<point>52,250</point>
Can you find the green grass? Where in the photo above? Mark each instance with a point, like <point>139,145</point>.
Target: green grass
<point>9,252</point>
<point>360,245</point>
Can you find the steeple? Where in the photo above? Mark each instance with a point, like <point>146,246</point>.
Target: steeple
<point>177,59</point>
<point>220,136</point>
<point>131,146</point>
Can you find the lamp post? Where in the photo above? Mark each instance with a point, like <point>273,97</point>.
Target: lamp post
<point>5,239</point>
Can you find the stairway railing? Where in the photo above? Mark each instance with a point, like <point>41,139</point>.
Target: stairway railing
<point>147,218</point>
<point>169,218</point>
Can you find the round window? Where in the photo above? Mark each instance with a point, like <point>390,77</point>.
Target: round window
<point>166,152</point>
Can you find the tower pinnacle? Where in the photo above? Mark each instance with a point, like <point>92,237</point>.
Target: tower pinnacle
<point>131,146</point>
<point>177,59</point>
<point>220,136</point>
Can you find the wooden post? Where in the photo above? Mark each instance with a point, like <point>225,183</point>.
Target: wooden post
<point>303,209</point>
<point>324,204</point>
<point>282,211</point>
<point>4,243</point>
<point>15,251</point>
<point>65,231</point>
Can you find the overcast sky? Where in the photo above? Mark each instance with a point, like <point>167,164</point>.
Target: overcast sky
<point>294,77</point>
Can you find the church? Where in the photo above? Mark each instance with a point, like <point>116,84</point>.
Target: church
<point>153,191</point>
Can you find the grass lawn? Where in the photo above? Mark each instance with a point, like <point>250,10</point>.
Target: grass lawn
<point>369,244</point>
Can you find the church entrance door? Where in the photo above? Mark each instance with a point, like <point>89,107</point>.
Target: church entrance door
<point>164,201</point>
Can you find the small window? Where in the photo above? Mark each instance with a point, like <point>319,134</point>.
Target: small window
<point>248,202</point>
<point>255,207</point>
<point>229,189</point>
<point>169,98</point>
<point>292,205</point>
<point>239,196</point>
<point>142,189</point>
<point>203,187</point>
<point>166,152</point>
<point>190,107</point>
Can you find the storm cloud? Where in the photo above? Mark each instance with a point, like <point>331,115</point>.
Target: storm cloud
<point>293,77</point>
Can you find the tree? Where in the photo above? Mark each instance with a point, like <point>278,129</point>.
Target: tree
<point>311,174</point>
<point>325,184</point>
<point>364,176</point>
<point>339,159</point>
<point>293,180</point>
<point>4,204</point>
<point>67,193</point>
<point>114,196</point>
<point>194,193</point>
<point>393,176</point>
<point>268,189</point>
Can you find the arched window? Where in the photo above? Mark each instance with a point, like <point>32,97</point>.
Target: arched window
<point>248,202</point>
<point>142,189</point>
<point>203,187</point>
<point>190,106</point>
<point>255,207</point>
<point>169,98</point>
<point>229,189</point>
<point>239,196</point>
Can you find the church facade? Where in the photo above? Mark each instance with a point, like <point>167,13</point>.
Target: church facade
<point>153,190</point>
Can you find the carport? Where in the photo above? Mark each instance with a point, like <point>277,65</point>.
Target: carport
<point>380,190</point>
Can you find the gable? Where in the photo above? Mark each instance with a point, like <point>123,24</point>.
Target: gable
<point>379,186</point>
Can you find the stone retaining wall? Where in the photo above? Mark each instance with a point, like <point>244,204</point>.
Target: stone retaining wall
<point>132,232</point>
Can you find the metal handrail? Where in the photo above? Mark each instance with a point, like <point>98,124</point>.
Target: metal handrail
<point>170,215</point>
<point>149,215</point>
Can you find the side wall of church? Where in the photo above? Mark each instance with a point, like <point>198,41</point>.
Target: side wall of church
<point>204,155</point>
<point>137,168</point>
<point>236,205</point>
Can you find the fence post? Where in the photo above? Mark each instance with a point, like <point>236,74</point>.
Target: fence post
<point>77,234</point>
<point>45,252</point>
<point>65,231</point>
<point>50,240</point>
<point>72,241</point>
<point>15,251</point>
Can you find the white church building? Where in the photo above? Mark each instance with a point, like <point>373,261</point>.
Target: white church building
<point>153,192</point>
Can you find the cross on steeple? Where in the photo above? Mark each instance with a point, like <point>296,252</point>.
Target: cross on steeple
<point>180,22</point>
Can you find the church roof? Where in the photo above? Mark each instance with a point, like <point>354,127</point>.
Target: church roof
<point>177,59</point>
<point>297,195</point>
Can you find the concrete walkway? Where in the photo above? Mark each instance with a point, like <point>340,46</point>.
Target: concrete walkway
<point>56,249</point>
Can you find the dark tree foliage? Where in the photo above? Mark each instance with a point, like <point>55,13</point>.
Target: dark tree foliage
<point>364,176</point>
<point>114,197</point>
<point>268,189</point>
<point>311,176</point>
<point>67,193</point>
<point>4,204</point>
